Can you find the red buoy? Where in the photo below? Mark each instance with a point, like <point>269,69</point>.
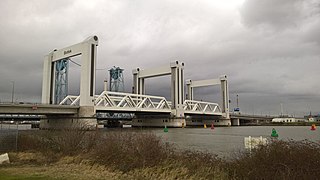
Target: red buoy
<point>212,126</point>
<point>313,127</point>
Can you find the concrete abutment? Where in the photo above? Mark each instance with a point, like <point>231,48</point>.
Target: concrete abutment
<point>84,119</point>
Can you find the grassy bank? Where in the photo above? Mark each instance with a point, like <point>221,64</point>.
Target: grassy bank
<point>74,154</point>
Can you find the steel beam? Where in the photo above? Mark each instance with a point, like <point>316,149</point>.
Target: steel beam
<point>222,81</point>
<point>39,109</point>
<point>177,83</point>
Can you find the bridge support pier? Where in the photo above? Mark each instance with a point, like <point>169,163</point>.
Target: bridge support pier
<point>156,120</point>
<point>159,122</point>
<point>200,120</point>
<point>235,122</point>
<point>85,119</point>
<point>224,122</point>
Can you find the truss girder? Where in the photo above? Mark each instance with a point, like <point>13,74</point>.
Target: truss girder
<point>201,107</point>
<point>117,101</point>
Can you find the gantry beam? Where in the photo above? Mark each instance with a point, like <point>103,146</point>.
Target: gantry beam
<point>177,83</point>
<point>88,51</point>
<point>222,81</point>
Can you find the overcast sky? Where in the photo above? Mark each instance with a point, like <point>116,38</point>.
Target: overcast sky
<point>269,49</point>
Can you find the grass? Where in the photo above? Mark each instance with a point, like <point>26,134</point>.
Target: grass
<point>77,154</point>
<point>6,176</point>
<point>279,160</point>
<point>58,170</point>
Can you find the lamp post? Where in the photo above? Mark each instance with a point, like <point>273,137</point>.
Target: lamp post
<point>237,100</point>
<point>12,94</point>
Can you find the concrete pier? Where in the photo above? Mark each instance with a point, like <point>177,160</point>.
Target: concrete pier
<point>85,118</point>
<point>158,120</point>
<point>235,122</point>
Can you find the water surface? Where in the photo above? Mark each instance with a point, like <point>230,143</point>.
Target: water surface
<point>224,141</point>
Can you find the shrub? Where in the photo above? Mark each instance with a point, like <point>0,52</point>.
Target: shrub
<point>278,160</point>
<point>54,143</point>
<point>199,164</point>
<point>129,150</point>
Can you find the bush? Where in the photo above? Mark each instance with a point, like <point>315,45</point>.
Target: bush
<point>55,144</point>
<point>129,150</point>
<point>143,151</point>
<point>278,160</point>
<point>199,164</point>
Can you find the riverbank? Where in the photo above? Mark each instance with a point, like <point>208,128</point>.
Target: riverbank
<point>76,154</point>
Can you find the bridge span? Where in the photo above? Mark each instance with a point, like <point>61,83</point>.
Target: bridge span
<point>149,110</point>
<point>38,109</point>
<point>249,119</point>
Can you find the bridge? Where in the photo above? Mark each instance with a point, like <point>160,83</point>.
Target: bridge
<point>249,119</point>
<point>149,110</point>
<point>37,109</point>
<point>132,103</point>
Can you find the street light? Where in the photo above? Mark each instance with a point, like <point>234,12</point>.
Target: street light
<point>12,94</point>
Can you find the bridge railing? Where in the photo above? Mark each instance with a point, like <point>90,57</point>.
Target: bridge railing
<point>70,100</point>
<point>128,101</point>
<point>108,100</point>
<point>201,107</point>
<point>117,100</point>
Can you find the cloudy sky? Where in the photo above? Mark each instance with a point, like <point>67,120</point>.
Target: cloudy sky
<point>269,49</point>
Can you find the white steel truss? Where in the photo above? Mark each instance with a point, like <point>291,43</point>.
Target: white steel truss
<point>126,102</point>
<point>70,100</point>
<point>201,107</point>
<point>117,101</point>
<point>131,102</point>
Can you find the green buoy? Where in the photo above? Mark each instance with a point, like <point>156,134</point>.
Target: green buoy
<point>165,129</point>
<point>274,133</point>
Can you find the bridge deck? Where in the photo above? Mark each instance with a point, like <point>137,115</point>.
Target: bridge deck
<point>127,102</point>
<point>40,109</point>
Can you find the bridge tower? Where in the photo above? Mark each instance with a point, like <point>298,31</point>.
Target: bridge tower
<point>176,118</point>
<point>223,82</point>
<point>53,63</point>
<point>116,80</point>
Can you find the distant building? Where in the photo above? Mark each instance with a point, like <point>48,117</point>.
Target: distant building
<point>288,119</point>
<point>313,118</point>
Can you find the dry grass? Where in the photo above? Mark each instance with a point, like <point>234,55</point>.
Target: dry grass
<point>129,150</point>
<point>141,155</point>
<point>78,168</point>
<point>278,160</point>
<point>65,168</point>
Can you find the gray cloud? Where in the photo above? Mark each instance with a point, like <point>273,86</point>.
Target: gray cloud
<point>268,49</point>
<point>277,14</point>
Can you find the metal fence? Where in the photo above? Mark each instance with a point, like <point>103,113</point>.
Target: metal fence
<point>9,136</point>
<point>8,140</point>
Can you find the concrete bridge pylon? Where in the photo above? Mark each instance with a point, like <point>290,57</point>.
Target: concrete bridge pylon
<point>175,70</point>
<point>222,81</point>
<point>88,51</point>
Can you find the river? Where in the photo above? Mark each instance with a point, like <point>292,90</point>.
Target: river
<point>224,141</point>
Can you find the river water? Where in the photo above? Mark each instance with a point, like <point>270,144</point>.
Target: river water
<point>224,141</point>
